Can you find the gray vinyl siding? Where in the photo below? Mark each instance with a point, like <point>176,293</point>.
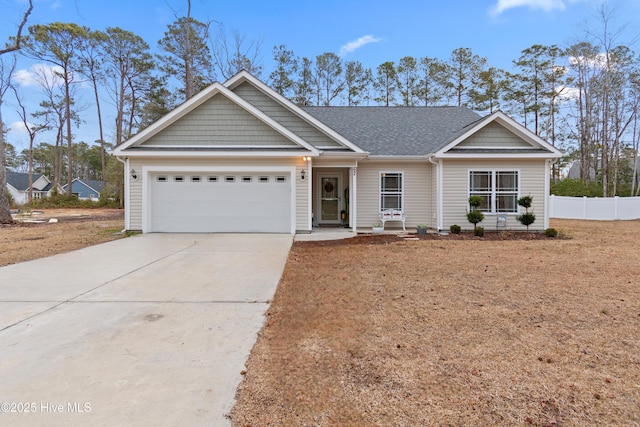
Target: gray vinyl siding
<point>284,116</point>
<point>494,135</point>
<point>456,182</point>
<point>301,187</point>
<point>219,121</point>
<point>417,192</point>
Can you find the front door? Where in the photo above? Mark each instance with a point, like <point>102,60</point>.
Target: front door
<point>330,200</point>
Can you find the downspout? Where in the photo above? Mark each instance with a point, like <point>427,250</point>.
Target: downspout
<point>439,210</point>
<point>547,191</point>
<point>125,162</point>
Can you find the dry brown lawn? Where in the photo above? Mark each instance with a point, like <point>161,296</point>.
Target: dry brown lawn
<point>453,333</point>
<point>74,229</point>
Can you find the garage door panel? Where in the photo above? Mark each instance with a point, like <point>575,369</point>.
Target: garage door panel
<point>221,206</point>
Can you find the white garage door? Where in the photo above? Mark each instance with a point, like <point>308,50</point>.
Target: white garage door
<point>220,202</point>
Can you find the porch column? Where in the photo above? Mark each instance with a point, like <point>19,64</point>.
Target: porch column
<point>353,174</point>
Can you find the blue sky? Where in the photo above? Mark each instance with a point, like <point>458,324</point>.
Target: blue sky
<point>371,31</point>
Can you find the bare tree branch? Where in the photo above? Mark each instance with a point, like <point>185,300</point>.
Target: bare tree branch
<point>18,38</point>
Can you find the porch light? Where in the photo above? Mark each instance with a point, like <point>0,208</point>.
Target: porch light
<point>302,174</point>
<point>134,174</point>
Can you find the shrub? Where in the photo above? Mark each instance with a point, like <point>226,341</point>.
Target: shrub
<point>475,202</point>
<point>525,201</point>
<point>455,229</point>
<point>475,216</point>
<point>478,231</point>
<point>526,218</point>
<point>551,232</point>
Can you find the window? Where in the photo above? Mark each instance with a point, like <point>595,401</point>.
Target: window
<point>161,179</point>
<point>229,178</point>
<point>498,189</point>
<point>391,190</point>
<point>178,178</point>
<point>281,179</point>
<point>264,179</point>
<point>246,179</point>
<point>195,179</point>
<point>213,179</point>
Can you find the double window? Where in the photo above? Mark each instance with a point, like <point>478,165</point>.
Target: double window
<point>391,190</point>
<point>499,190</point>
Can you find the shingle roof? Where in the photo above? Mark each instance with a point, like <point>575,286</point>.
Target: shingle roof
<point>20,181</point>
<point>96,185</point>
<point>397,131</point>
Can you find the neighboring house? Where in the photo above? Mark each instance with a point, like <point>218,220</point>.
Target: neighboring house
<point>238,157</point>
<point>18,185</point>
<point>85,189</point>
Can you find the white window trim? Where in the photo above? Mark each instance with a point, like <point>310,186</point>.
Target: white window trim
<point>493,171</point>
<point>402,201</point>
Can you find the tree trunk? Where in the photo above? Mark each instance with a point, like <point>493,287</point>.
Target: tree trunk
<point>5,213</point>
<point>69,136</point>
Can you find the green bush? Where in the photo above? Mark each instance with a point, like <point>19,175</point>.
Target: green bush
<point>455,229</point>
<point>478,231</point>
<point>474,217</point>
<point>475,202</point>
<point>525,201</point>
<point>551,232</point>
<point>576,188</point>
<point>527,219</point>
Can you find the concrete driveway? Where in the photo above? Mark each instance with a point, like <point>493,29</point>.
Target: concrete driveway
<point>150,330</point>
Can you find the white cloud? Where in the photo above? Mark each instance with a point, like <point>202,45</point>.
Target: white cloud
<point>567,93</point>
<point>356,44</point>
<point>18,128</point>
<point>36,74</point>
<point>546,5</point>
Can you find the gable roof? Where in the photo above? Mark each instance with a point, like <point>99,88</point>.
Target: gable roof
<point>244,76</point>
<point>20,181</point>
<point>397,131</point>
<point>91,184</point>
<point>537,147</point>
<point>191,104</point>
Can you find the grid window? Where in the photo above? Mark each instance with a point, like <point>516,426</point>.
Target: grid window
<point>391,190</point>
<point>498,189</point>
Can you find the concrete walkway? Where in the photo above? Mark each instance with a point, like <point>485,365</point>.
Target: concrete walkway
<point>149,330</point>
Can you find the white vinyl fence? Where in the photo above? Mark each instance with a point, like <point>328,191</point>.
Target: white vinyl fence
<point>597,208</point>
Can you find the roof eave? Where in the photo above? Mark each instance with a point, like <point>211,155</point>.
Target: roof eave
<point>217,154</point>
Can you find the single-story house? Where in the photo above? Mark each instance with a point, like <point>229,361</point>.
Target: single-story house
<point>238,157</point>
<point>85,189</point>
<point>18,185</point>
